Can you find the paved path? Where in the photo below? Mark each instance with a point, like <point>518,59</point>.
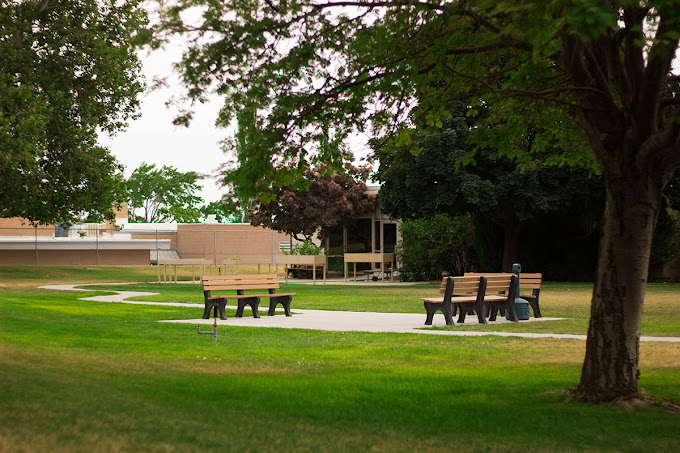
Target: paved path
<point>338,320</point>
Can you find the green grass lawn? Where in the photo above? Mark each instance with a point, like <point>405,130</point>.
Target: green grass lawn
<point>86,376</point>
<point>558,300</point>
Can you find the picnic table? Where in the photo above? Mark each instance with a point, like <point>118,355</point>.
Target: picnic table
<point>167,267</point>
<point>302,262</point>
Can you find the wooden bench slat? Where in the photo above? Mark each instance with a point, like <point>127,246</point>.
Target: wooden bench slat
<point>529,287</point>
<point>246,296</point>
<point>440,300</point>
<point>238,278</point>
<point>232,287</point>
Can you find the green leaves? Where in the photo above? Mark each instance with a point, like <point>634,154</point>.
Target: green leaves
<point>330,199</point>
<point>68,71</point>
<point>437,244</point>
<point>163,195</point>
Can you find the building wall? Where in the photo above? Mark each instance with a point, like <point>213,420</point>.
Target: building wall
<point>218,242</point>
<point>21,227</point>
<point>119,257</point>
<point>152,235</point>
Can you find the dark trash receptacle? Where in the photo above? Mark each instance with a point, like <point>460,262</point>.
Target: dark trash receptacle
<point>521,305</point>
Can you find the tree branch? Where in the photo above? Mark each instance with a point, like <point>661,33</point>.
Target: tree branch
<point>545,94</point>
<point>665,102</point>
<point>380,4</point>
<point>659,60</point>
<point>503,44</point>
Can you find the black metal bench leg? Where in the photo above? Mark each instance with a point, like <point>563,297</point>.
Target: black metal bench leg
<point>462,312</point>
<point>512,314</point>
<point>535,308</point>
<point>481,312</point>
<point>253,302</point>
<point>430,309</point>
<point>284,301</point>
<point>206,310</point>
<point>222,305</point>
<point>448,316</point>
<point>493,311</point>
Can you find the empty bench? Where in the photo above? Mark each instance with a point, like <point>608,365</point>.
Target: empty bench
<point>253,284</point>
<point>529,288</point>
<point>482,295</point>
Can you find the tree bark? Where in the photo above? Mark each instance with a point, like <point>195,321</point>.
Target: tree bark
<point>511,231</point>
<point>610,369</point>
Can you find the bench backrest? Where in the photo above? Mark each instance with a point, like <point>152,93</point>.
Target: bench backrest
<point>500,283</point>
<point>239,282</point>
<point>462,286</point>
<point>526,281</point>
<point>469,285</point>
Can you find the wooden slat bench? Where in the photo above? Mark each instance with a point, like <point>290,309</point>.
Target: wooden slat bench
<point>241,284</point>
<point>468,294</point>
<point>529,288</point>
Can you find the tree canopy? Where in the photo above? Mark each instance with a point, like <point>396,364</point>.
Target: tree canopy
<point>595,69</point>
<point>504,192</point>
<point>163,195</point>
<point>68,71</point>
<point>332,199</point>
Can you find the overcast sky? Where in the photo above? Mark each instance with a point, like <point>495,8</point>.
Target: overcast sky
<point>153,138</point>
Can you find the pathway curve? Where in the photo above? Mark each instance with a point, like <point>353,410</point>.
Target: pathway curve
<point>335,320</point>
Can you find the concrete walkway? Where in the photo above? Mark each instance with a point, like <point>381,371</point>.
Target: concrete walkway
<point>336,320</point>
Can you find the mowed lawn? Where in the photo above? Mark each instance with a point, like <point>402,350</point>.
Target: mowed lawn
<point>86,376</point>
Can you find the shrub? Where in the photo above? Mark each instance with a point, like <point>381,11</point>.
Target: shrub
<point>434,246</point>
<point>306,248</point>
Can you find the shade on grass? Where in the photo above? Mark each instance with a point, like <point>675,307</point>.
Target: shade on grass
<point>107,377</point>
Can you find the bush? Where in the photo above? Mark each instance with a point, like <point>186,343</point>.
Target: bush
<point>306,248</point>
<point>434,246</point>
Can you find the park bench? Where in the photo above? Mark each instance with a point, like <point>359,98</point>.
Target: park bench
<point>473,294</point>
<point>241,284</point>
<point>529,288</point>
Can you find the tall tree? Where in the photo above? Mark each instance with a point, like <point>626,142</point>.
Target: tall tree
<point>68,70</point>
<point>163,195</point>
<point>601,68</point>
<point>331,199</point>
<point>421,183</point>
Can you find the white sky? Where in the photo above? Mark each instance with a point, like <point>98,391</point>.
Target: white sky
<point>153,138</point>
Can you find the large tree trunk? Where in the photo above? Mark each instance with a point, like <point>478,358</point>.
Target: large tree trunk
<point>610,370</point>
<point>511,231</point>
